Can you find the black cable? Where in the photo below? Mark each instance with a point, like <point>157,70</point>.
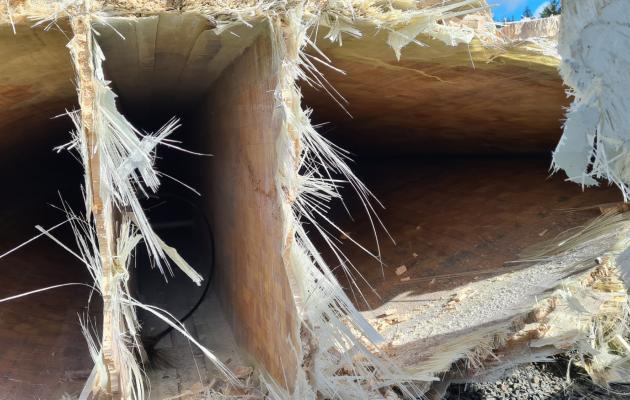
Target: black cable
<point>150,342</point>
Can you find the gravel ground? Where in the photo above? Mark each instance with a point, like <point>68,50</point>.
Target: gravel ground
<point>537,382</point>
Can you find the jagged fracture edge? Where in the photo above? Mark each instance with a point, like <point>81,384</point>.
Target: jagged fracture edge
<point>126,167</point>
<point>589,322</point>
<point>340,338</point>
<point>127,162</point>
<point>595,66</point>
<point>594,144</point>
<point>322,304</point>
<point>124,316</point>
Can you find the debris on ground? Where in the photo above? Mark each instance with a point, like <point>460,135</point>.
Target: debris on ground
<point>537,382</point>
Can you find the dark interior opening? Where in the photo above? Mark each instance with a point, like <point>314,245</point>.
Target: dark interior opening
<point>179,215</point>
<point>44,353</point>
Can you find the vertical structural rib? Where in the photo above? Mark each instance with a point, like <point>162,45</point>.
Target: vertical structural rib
<point>101,208</point>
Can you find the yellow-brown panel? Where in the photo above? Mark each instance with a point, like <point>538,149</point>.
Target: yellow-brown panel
<point>241,132</point>
<point>36,84</point>
<point>440,99</point>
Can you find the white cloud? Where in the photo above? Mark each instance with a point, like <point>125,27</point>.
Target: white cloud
<point>540,9</point>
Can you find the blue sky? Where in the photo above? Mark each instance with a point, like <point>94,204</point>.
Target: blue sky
<point>508,8</point>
